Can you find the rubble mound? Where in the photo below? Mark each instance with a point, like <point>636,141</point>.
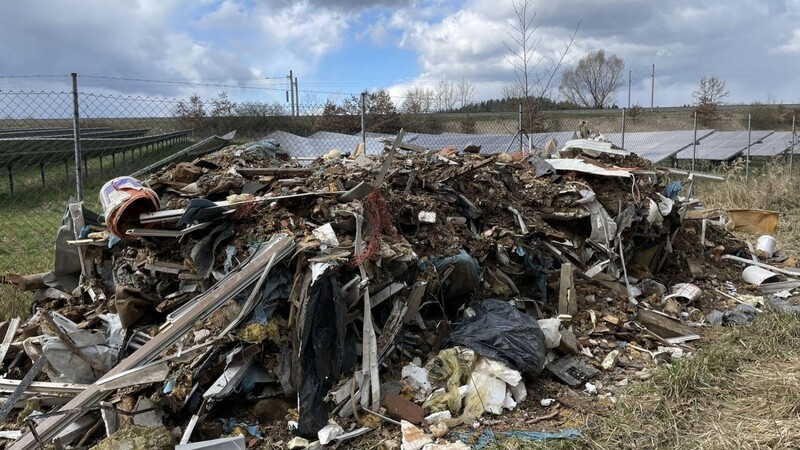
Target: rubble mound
<point>265,282</point>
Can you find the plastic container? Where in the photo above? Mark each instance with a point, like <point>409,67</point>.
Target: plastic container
<point>767,245</point>
<point>686,291</point>
<point>756,275</point>
<point>123,199</point>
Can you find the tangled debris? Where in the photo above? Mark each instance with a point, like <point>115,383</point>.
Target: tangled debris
<point>246,294</point>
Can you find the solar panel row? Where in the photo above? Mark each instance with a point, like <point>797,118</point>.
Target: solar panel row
<point>655,146</point>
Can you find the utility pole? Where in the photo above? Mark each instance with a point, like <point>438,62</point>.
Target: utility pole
<point>630,74</point>
<point>652,85</point>
<point>290,92</point>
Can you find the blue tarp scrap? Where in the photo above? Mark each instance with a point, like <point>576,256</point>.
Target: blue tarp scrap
<point>229,425</point>
<point>482,440</point>
<point>671,190</point>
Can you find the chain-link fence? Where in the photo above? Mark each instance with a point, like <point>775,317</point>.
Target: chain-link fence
<point>54,145</point>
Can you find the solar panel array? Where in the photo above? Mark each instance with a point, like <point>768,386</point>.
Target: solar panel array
<point>655,146</point>
<point>774,144</point>
<point>724,145</point>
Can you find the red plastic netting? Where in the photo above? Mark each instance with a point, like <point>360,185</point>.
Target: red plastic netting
<point>378,221</point>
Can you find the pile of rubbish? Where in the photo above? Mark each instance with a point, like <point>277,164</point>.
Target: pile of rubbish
<point>244,298</point>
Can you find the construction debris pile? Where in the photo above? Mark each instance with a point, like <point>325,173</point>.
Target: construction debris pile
<point>244,298</point>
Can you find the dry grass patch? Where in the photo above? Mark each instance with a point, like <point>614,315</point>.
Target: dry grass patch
<point>742,391</point>
<point>768,187</point>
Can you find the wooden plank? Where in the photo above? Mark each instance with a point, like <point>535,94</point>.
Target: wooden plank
<point>388,161</point>
<point>470,168</point>
<point>414,300</point>
<point>30,282</point>
<point>662,325</point>
<point>567,295</point>
<point>13,324</point>
<point>385,293</point>
<point>274,171</point>
<point>234,283</point>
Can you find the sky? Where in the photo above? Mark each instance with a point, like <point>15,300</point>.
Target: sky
<point>340,47</point>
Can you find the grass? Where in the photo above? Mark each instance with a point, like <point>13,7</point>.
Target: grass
<point>739,392</point>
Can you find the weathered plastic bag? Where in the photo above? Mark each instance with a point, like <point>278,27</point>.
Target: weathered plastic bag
<point>463,279</point>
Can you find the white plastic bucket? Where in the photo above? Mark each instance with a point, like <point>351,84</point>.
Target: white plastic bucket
<point>766,244</point>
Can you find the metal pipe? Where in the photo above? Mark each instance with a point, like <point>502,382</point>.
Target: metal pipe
<point>623,128</point>
<point>694,142</point>
<point>76,130</point>
<point>747,161</point>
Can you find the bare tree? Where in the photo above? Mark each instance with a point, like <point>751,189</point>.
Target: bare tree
<point>465,92</point>
<point>534,72</point>
<point>418,101</point>
<point>259,109</point>
<point>593,81</point>
<point>710,94</point>
<point>445,95</point>
<point>222,106</point>
<point>193,109</point>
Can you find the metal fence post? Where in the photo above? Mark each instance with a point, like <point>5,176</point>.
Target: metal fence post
<point>694,142</point>
<point>76,130</point>
<point>791,154</point>
<point>623,129</point>
<point>747,160</point>
<point>519,127</point>
<point>364,120</point>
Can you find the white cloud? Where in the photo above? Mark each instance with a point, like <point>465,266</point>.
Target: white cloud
<point>745,42</point>
<point>792,45</point>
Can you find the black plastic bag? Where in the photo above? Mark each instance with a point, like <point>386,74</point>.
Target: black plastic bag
<point>500,331</point>
<point>321,353</point>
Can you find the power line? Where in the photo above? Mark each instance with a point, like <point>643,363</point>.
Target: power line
<point>205,84</point>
